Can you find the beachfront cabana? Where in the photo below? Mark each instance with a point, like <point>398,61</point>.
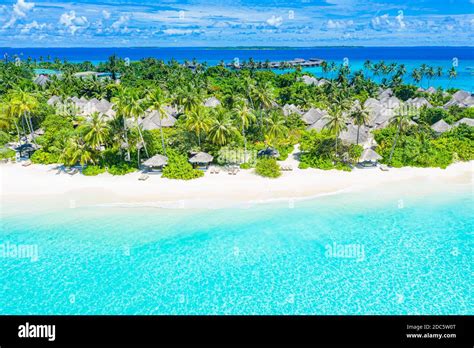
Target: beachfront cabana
<point>369,158</point>
<point>156,162</point>
<point>289,109</point>
<point>309,80</point>
<point>154,121</point>
<point>201,160</point>
<point>440,127</point>
<point>41,80</point>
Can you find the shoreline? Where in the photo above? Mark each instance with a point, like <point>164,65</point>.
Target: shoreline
<point>39,184</point>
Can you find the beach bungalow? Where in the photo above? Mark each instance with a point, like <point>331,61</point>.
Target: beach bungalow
<point>201,160</point>
<point>41,80</point>
<point>465,120</point>
<point>154,121</point>
<point>156,163</point>
<point>440,127</point>
<point>289,109</point>
<point>313,115</point>
<point>309,80</point>
<point>212,102</point>
<point>369,158</point>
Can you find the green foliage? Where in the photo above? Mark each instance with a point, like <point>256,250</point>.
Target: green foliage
<point>420,147</point>
<point>121,169</point>
<point>246,166</point>
<point>4,138</point>
<point>94,170</point>
<point>268,167</point>
<point>42,157</point>
<point>433,115</point>
<point>284,151</point>
<point>178,167</point>
<point>405,92</point>
<point>6,153</point>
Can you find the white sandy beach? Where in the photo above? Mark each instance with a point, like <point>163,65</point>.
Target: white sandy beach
<point>38,182</point>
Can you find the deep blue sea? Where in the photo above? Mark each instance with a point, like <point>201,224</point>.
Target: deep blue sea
<point>410,56</point>
<point>394,250</point>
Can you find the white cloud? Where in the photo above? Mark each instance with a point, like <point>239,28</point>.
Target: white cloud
<point>20,10</point>
<point>385,22</point>
<point>72,22</point>
<point>334,24</point>
<point>275,21</point>
<point>27,28</point>
<point>122,21</point>
<point>180,31</point>
<point>400,21</point>
<point>22,7</point>
<point>106,14</point>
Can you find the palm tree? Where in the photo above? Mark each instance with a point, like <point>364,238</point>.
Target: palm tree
<point>136,109</point>
<point>336,120</point>
<point>198,121</point>
<point>245,116</point>
<point>76,150</point>
<point>121,107</point>
<point>401,120</point>
<point>96,131</point>
<point>452,74</point>
<point>22,104</point>
<point>221,127</point>
<point>156,100</point>
<point>264,97</point>
<point>416,76</point>
<point>276,127</point>
<point>360,115</point>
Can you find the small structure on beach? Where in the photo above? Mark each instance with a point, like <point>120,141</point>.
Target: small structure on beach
<point>201,159</point>
<point>466,121</point>
<point>369,158</point>
<point>441,126</point>
<point>154,121</point>
<point>268,152</point>
<point>41,80</point>
<point>156,162</point>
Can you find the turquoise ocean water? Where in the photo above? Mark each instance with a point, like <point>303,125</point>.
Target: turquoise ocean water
<point>403,252</point>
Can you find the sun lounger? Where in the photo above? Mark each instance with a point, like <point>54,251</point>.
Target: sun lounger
<point>73,171</point>
<point>143,177</point>
<point>383,168</point>
<point>26,163</point>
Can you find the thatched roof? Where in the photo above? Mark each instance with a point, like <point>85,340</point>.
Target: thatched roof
<point>152,121</point>
<point>289,109</point>
<point>156,161</point>
<point>387,93</point>
<point>103,106</point>
<point>308,80</point>
<point>369,155</point>
<point>212,102</point>
<point>461,95</point>
<point>431,90</point>
<point>322,82</point>
<point>440,127</point>
<point>418,102</point>
<point>468,121</point>
<point>371,102</point>
<point>201,157</point>
<point>350,134</point>
<point>318,125</point>
<point>313,115</point>
<point>390,103</point>
<point>41,80</point>
<point>53,100</point>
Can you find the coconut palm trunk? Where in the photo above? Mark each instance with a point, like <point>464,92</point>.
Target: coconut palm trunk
<point>394,143</point>
<point>163,138</point>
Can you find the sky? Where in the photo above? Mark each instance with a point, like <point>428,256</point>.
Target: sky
<point>218,23</point>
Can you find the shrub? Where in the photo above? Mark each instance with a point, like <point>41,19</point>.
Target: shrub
<point>43,157</point>
<point>6,153</point>
<point>245,166</point>
<point>179,168</point>
<point>121,169</point>
<point>4,137</point>
<point>268,167</point>
<point>93,170</point>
